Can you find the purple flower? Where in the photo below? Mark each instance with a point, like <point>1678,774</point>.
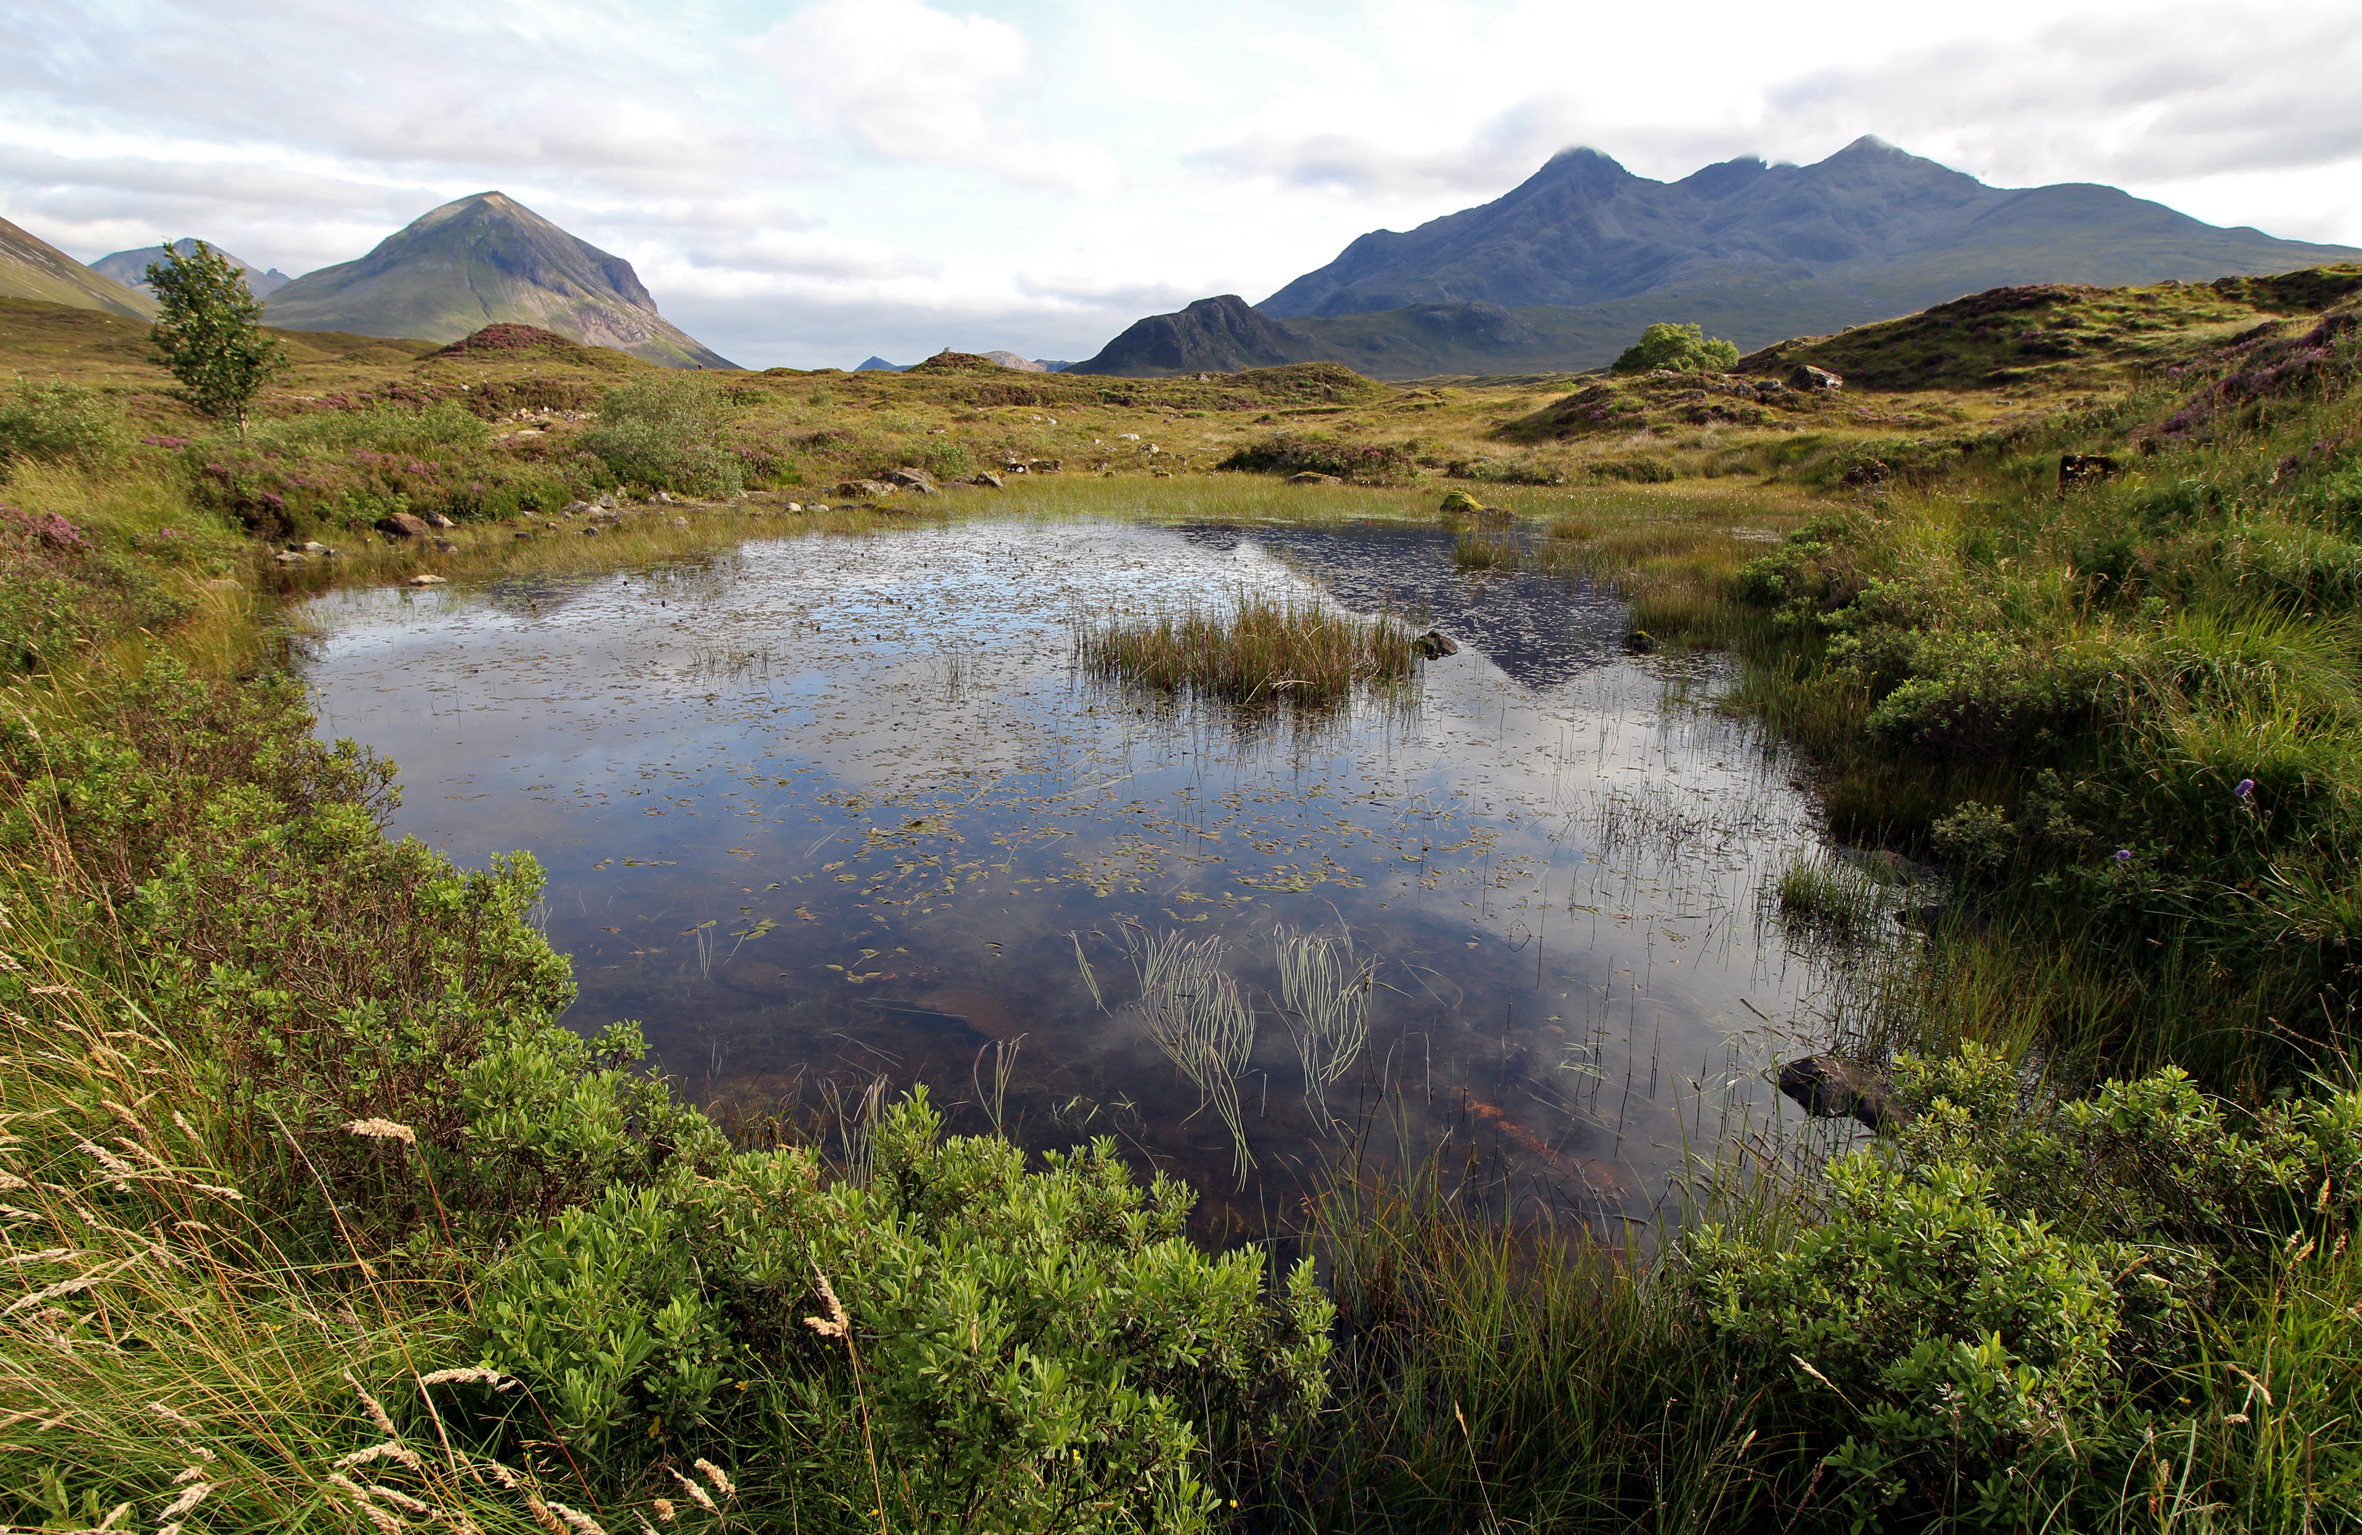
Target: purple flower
<point>2123,855</point>
<point>2245,791</point>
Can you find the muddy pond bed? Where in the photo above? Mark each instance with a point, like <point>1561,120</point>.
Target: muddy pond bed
<point>837,815</point>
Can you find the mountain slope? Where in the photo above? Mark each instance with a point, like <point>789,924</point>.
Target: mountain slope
<point>479,261</point>
<point>32,268</point>
<point>130,268</point>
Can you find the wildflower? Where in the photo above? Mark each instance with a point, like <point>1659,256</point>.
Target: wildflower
<point>2123,855</point>
<point>2246,792</point>
<point>382,1130</point>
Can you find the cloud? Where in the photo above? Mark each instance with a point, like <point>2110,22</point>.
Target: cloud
<point>2176,97</point>
<point>922,86</point>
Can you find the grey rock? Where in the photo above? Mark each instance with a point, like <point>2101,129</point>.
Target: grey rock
<point>1310,478</point>
<point>402,525</point>
<point>910,477</point>
<point>1434,645</point>
<point>438,520</point>
<point>1639,643</point>
<point>1830,1087</point>
<point>988,482</point>
<point>1812,380</point>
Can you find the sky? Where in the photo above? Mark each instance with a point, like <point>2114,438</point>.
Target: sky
<point>807,184</point>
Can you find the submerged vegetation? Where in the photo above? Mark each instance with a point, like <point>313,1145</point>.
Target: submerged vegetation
<point>318,1219</point>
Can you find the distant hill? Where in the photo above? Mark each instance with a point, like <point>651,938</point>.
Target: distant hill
<point>1213,335</point>
<point>880,365</point>
<point>1565,271</point>
<point>483,260</point>
<point>32,268</point>
<point>130,268</point>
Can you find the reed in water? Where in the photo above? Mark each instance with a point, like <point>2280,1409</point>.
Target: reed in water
<point>1324,994</point>
<point>1265,650</point>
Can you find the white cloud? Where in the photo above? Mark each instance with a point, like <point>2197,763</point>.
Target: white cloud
<point>920,85</point>
<point>799,179</point>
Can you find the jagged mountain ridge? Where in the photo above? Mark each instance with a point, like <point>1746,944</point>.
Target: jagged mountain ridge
<point>1565,270</point>
<point>32,268</point>
<point>1871,221</point>
<point>482,260</point>
<point>130,268</point>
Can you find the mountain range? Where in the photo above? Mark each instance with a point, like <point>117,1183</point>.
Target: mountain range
<point>130,268</point>
<point>1564,271</point>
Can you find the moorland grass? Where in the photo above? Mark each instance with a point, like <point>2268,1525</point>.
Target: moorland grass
<point>288,1101</point>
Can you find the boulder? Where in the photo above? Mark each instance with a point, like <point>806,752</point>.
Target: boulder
<point>292,557</point>
<point>1459,503</point>
<point>1811,380</point>
<point>438,520</point>
<point>1640,643</point>
<point>1434,645</point>
<point>988,482</point>
<point>872,489</point>
<point>426,578</point>
<point>910,477</point>
<point>402,525</point>
<point>442,546</point>
<point>1309,478</point>
<point>1828,1087</point>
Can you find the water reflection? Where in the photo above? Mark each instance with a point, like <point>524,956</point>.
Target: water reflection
<point>822,810</point>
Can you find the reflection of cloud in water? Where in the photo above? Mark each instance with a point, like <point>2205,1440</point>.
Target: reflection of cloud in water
<point>835,805</point>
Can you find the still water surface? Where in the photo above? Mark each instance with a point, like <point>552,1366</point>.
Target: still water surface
<point>822,810</point>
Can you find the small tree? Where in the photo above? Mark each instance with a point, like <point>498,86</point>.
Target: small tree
<point>1683,348</point>
<point>208,335</point>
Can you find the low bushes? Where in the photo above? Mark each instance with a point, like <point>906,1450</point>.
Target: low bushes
<point>1362,463</point>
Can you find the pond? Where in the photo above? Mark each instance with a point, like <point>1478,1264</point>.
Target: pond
<point>824,812</point>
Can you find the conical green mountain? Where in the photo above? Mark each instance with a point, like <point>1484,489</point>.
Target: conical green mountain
<point>31,267</point>
<point>480,260</point>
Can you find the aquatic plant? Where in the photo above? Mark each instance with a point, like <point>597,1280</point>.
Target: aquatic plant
<point>1192,1009</point>
<point>1264,651</point>
<point>1324,995</point>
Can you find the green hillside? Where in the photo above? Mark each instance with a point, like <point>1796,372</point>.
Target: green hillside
<point>32,268</point>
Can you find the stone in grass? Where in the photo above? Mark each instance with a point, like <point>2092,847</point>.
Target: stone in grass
<point>1434,645</point>
<point>854,490</point>
<point>425,578</point>
<point>988,482</point>
<point>1814,380</point>
<point>1828,1087</point>
<point>438,520</point>
<point>1310,478</point>
<point>910,477</point>
<point>1639,643</point>
<point>1460,504</point>
<point>402,525</point>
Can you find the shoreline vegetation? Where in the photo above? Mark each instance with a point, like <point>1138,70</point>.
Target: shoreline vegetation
<point>317,1219</point>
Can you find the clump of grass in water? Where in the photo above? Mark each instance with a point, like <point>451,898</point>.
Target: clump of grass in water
<point>1261,652</point>
<point>1828,898</point>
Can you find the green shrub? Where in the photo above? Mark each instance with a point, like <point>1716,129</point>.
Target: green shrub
<point>666,431</point>
<point>2000,1307</point>
<point>1682,348</point>
<point>58,421</point>
<point>1639,471</point>
<point>992,1349</point>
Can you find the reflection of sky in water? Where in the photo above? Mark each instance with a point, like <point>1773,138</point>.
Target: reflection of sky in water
<point>831,808</point>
